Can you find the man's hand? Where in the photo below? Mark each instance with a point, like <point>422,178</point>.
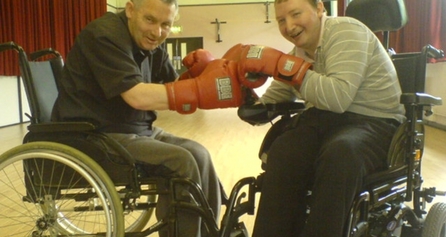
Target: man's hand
<point>216,87</point>
<point>195,61</point>
<point>269,61</point>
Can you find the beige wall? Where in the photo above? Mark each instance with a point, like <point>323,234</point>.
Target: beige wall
<point>436,85</point>
<point>245,23</point>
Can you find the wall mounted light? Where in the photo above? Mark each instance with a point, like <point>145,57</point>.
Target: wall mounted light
<point>176,29</point>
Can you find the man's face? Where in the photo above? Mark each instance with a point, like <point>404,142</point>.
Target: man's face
<point>150,22</point>
<point>300,22</point>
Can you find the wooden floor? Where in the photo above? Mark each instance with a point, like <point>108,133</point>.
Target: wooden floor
<point>234,145</point>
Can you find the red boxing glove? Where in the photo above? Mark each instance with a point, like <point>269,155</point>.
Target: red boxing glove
<point>195,61</point>
<point>216,87</point>
<point>283,67</point>
<point>251,80</point>
<point>235,52</point>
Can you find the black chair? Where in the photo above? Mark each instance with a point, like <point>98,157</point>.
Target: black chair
<point>380,209</point>
<point>84,183</point>
<point>379,15</point>
<point>387,191</point>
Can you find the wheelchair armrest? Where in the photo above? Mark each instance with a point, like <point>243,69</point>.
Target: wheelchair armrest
<point>286,107</point>
<point>254,114</point>
<point>61,127</point>
<point>432,52</point>
<point>257,114</point>
<point>421,99</point>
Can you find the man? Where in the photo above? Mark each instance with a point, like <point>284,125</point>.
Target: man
<point>345,76</point>
<point>113,77</point>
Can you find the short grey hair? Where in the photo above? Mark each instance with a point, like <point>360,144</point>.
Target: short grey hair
<point>137,3</point>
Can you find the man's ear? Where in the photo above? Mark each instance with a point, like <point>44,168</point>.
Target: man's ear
<point>129,9</point>
<point>320,8</point>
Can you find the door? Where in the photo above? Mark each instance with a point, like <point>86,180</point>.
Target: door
<point>178,48</point>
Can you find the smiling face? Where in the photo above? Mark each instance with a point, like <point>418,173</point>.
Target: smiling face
<point>150,21</point>
<point>300,22</point>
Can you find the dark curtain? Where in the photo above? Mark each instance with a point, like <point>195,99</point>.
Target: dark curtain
<point>426,25</point>
<point>40,24</point>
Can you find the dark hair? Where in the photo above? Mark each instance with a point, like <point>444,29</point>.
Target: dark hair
<point>312,2</point>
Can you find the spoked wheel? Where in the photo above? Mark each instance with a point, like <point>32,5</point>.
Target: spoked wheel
<point>435,223</point>
<point>49,189</point>
<point>137,217</point>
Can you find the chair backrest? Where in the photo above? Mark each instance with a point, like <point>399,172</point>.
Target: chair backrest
<point>379,15</point>
<point>45,76</point>
<point>411,70</point>
<point>39,79</point>
<point>25,73</point>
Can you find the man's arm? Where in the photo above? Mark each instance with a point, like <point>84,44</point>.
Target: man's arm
<point>216,87</point>
<point>147,96</point>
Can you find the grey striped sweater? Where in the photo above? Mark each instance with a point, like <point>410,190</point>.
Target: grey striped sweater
<point>351,72</point>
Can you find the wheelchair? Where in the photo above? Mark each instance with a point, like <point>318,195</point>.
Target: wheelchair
<point>382,208</point>
<point>68,179</point>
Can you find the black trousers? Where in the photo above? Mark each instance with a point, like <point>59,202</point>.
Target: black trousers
<point>328,153</point>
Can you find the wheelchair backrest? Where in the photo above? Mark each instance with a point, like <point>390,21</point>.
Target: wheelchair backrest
<point>379,15</point>
<point>41,82</point>
<point>39,79</point>
<point>411,71</point>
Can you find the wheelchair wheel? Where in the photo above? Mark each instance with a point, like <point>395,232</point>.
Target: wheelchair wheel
<point>435,223</point>
<point>135,219</point>
<point>49,189</point>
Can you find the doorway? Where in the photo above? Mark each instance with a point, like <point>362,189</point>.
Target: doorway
<point>178,48</point>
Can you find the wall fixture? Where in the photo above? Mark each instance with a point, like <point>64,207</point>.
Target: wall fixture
<point>267,12</point>
<point>218,29</point>
<point>176,29</point>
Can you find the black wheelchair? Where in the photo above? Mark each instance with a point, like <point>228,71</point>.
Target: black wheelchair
<point>383,208</point>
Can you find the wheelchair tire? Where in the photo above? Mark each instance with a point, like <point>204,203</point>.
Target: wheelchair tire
<point>435,223</point>
<point>40,193</point>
